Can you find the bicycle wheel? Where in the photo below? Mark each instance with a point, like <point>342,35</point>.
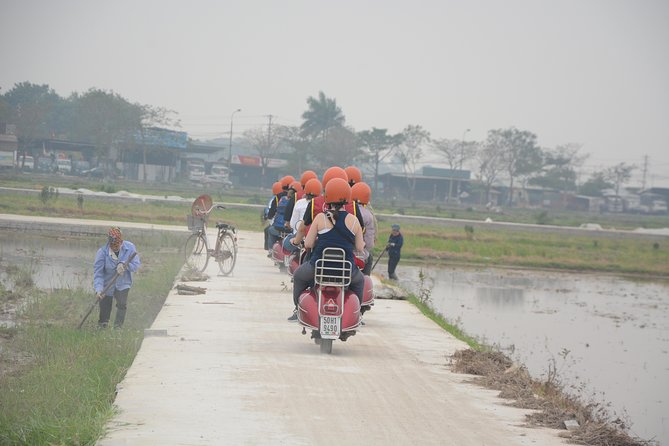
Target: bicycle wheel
<point>196,253</point>
<point>226,253</point>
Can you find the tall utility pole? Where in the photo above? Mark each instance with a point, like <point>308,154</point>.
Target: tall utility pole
<point>462,158</point>
<point>230,152</point>
<point>269,132</point>
<point>645,171</point>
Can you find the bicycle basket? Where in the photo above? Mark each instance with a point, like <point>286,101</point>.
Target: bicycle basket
<point>195,223</point>
<point>333,268</point>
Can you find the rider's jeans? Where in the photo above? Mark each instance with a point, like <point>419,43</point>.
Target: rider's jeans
<point>274,235</point>
<point>289,246</point>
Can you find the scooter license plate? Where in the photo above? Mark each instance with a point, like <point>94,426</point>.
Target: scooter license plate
<point>330,327</point>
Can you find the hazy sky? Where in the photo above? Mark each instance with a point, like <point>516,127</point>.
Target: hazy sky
<point>594,72</point>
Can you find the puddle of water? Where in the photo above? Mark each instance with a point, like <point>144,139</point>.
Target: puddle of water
<point>609,337</point>
<point>55,262</point>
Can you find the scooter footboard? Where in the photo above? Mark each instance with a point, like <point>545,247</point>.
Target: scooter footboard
<point>368,295</point>
<point>307,310</point>
<point>279,253</point>
<point>350,320</point>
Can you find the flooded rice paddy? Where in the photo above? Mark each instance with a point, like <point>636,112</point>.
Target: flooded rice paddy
<point>54,262</point>
<point>607,336</point>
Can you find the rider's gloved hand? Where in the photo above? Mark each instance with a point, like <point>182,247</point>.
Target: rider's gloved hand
<point>120,268</point>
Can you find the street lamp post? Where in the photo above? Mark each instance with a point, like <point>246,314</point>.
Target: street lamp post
<point>230,151</point>
<point>462,157</point>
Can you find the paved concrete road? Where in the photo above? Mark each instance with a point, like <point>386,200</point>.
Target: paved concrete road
<point>233,371</point>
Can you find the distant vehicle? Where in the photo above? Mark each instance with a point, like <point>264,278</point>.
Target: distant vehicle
<point>653,204</point>
<point>7,158</point>
<point>28,163</point>
<point>219,169</point>
<point>613,203</point>
<point>216,180</point>
<point>195,169</point>
<point>44,164</point>
<point>78,167</point>
<point>95,172</point>
<point>218,176</point>
<point>64,166</point>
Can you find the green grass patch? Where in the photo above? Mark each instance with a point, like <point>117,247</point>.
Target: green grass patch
<point>62,381</point>
<point>423,242</point>
<point>456,331</point>
<point>94,208</point>
<point>527,249</point>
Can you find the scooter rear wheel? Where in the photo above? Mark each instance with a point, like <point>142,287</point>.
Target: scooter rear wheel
<point>326,346</point>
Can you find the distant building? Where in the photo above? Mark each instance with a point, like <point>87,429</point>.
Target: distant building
<point>433,184</point>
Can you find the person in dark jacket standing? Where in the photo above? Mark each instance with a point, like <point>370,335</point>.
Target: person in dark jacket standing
<point>394,246</point>
<point>110,260</point>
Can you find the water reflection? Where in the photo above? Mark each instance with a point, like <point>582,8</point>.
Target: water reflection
<point>497,298</point>
<point>608,336</point>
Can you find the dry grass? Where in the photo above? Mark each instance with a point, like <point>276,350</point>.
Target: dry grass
<point>551,404</point>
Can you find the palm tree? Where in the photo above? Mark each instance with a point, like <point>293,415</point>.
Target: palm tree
<point>323,114</point>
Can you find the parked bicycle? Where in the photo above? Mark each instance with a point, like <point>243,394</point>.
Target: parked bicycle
<point>197,251</point>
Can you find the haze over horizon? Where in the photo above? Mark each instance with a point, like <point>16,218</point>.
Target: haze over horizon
<point>594,73</point>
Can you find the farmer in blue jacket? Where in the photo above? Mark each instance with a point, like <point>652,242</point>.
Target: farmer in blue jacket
<point>394,246</point>
<point>110,264</point>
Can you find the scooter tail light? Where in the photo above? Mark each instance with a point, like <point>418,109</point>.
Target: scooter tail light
<point>330,307</point>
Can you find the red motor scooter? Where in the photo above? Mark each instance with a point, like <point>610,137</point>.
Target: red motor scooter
<point>295,259</point>
<point>329,309</point>
<point>279,253</point>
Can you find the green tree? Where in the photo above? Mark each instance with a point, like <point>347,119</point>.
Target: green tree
<point>410,152</point>
<point>559,168</point>
<point>5,111</point>
<point>489,166</point>
<point>268,143</point>
<point>321,117</point>
<point>519,152</point>
<point>151,116</point>
<point>107,120</point>
<point>619,175</point>
<point>300,146</point>
<point>455,152</point>
<point>33,108</point>
<point>377,144</point>
<point>597,182</point>
<point>341,148</point>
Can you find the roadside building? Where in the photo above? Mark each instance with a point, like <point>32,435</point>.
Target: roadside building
<point>9,146</point>
<point>432,184</point>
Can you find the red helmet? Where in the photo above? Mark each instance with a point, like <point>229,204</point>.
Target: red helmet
<point>285,181</point>
<point>276,188</point>
<point>334,172</point>
<point>306,176</point>
<point>313,187</point>
<point>361,193</point>
<point>296,186</point>
<point>354,175</point>
<point>337,191</point>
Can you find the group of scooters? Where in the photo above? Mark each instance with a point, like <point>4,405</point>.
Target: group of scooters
<point>328,309</point>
